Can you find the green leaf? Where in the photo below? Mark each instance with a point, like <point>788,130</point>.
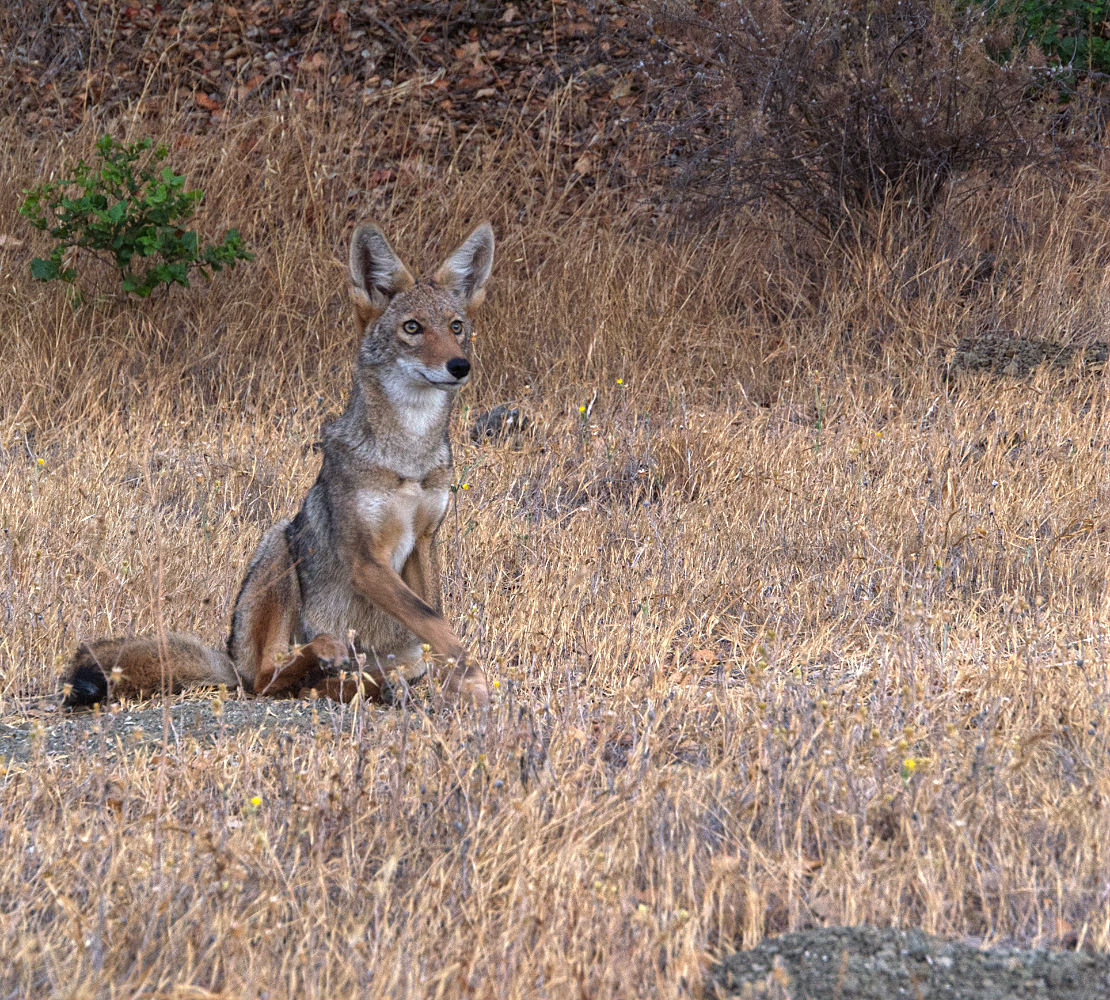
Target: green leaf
<point>135,285</point>
<point>44,270</point>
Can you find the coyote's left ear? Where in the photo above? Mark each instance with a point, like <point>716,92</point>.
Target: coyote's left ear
<point>466,271</point>
<point>377,273</point>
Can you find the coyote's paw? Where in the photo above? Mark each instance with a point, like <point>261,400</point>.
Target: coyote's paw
<point>329,652</point>
<point>333,666</point>
<point>465,684</point>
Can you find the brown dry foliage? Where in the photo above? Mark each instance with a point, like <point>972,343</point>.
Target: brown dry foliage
<point>760,551</point>
<point>833,109</point>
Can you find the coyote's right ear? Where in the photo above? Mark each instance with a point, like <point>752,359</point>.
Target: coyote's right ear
<point>377,273</point>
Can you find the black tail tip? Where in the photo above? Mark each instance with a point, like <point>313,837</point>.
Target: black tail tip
<point>87,685</point>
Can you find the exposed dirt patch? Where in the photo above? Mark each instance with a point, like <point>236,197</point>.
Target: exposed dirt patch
<point>866,963</point>
<point>118,730</point>
<point>1002,354</point>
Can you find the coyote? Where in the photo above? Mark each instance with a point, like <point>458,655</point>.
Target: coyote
<point>358,563</point>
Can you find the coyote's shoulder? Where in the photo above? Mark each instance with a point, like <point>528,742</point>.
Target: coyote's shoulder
<point>356,570</point>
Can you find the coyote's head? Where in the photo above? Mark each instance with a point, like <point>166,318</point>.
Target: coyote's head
<point>416,334</point>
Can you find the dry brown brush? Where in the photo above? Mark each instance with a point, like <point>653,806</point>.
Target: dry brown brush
<point>834,109</point>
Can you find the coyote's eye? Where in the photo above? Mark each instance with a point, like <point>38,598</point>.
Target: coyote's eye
<point>411,327</point>
<point>456,326</point>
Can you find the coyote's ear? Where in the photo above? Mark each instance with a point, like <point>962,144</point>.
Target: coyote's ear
<point>377,273</point>
<point>466,271</point>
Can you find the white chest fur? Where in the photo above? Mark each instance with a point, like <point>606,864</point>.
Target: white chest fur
<point>396,519</point>
<point>420,408</point>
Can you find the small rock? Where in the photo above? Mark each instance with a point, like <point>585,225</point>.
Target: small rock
<point>498,423</point>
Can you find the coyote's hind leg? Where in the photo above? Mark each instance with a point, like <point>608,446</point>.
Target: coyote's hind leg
<point>265,621</point>
<point>336,677</point>
<point>266,614</point>
<point>324,666</point>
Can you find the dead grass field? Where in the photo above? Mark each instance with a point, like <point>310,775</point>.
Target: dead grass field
<point>789,625</point>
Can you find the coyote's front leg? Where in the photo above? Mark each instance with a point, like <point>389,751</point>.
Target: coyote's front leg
<point>380,584</point>
<point>422,573</point>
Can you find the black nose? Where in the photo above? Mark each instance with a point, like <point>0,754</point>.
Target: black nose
<point>459,368</point>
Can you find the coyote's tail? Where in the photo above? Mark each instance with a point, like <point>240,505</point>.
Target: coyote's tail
<point>143,665</point>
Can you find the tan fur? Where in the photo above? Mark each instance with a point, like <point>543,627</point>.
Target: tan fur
<point>360,557</point>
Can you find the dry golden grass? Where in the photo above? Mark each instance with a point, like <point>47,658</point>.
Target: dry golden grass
<point>788,626</point>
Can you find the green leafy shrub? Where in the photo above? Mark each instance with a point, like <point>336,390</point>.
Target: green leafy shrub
<point>1071,33</point>
<point>128,213</point>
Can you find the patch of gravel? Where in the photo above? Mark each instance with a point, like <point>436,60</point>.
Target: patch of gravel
<point>1003,354</point>
<point>58,733</point>
<point>869,963</point>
